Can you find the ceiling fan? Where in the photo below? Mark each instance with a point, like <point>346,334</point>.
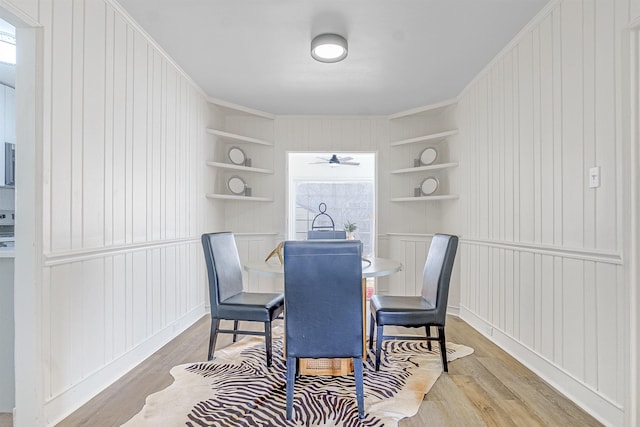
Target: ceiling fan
<point>335,161</point>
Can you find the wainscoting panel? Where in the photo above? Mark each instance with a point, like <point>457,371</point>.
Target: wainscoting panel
<point>102,309</point>
<point>565,310</point>
<point>256,247</point>
<point>411,250</point>
<point>541,258</point>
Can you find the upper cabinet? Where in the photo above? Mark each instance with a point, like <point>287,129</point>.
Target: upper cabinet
<point>421,154</point>
<point>240,154</point>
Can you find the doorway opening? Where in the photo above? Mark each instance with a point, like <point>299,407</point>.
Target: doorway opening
<point>345,183</point>
<point>347,188</point>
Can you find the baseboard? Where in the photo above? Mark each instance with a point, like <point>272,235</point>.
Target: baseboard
<point>600,407</point>
<point>453,311</point>
<point>62,405</point>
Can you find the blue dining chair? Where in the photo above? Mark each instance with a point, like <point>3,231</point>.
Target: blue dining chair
<point>326,234</point>
<point>323,306</point>
<point>425,310</point>
<point>227,297</point>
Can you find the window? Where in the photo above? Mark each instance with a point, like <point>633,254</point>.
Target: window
<point>347,189</point>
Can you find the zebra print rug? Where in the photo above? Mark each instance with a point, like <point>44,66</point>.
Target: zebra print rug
<point>237,389</point>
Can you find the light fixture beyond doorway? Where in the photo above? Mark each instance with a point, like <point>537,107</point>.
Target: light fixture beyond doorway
<point>329,48</point>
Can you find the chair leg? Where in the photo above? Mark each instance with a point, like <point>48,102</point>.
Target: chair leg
<point>372,325</point>
<point>357,369</point>
<point>443,348</point>
<point>267,341</point>
<point>235,328</point>
<point>379,346</point>
<point>213,335</point>
<point>428,328</point>
<point>291,380</point>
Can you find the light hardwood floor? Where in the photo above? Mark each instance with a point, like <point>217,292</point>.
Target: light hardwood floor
<point>488,388</point>
<point>6,420</point>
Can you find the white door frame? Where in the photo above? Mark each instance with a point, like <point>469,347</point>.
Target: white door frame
<point>29,366</point>
<point>631,76</point>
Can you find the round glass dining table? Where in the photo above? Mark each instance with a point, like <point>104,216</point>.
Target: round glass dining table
<point>371,267</point>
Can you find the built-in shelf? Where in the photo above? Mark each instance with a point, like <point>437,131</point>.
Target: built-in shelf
<point>238,167</point>
<point>427,168</point>
<point>238,138</point>
<point>431,137</point>
<point>234,197</point>
<point>425,198</point>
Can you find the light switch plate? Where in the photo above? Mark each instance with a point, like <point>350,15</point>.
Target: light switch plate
<point>594,177</point>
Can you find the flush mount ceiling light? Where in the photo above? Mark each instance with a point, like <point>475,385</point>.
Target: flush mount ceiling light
<point>329,48</point>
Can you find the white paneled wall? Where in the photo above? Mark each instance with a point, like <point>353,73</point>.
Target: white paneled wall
<point>123,141</point>
<point>256,247</point>
<point>411,250</point>
<point>541,261</point>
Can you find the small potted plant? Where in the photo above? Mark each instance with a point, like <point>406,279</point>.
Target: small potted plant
<point>350,227</point>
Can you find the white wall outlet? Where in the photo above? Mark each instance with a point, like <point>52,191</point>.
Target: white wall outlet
<point>594,177</point>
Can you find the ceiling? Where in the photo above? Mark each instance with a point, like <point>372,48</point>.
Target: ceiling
<point>402,54</point>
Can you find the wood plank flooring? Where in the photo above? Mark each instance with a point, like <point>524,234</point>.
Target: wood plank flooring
<point>6,419</point>
<point>488,388</point>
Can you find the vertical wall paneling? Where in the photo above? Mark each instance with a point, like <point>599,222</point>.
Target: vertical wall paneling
<point>109,136</point>
<point>545,183</point>
<point>589,119</point>
<point>605,150</point>
<point>630,220</point>
<point>572,39</point>
<point>558,120</point>
<point>119,114</point>
<point>94,102</point>
<point>77,122</point>
<point>139,146</point>
<point>61,179</point>
<point>122,271</point>
<point>547,276</point>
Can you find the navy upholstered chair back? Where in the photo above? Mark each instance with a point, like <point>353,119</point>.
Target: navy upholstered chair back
<point>326,234</point>
<point>223,267</point>
<point>437,273</point>
<point>323,306</point>
<point>323,298</point>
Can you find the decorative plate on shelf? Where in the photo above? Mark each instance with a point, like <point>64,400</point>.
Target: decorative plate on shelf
<point>236,185</point>
<point>429,186</point>
<point>236,156</point>
<point>428,156</point>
